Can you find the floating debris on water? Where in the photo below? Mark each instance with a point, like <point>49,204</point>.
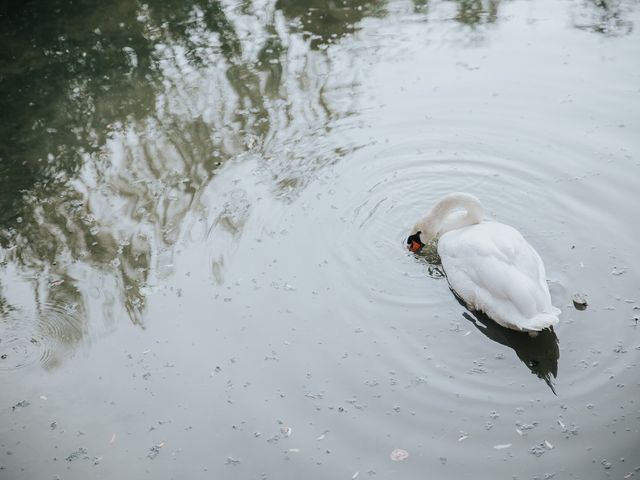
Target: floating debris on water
<point>22,404</point>
<point>618,271</point>
<point>463,436</point>
<point>606,464</point>
<point>155,450</point>
<point>232,461</point>
<point>522,428</point>
<point>541,448</point>
<point>286,431</point>
<point>579,301</point>
<point>398,455</point>
<point>619,348</point>
<point>77,454</point>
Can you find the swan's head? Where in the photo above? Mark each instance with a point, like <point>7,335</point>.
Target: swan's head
<point>419,236</point>
<point>414,242</point>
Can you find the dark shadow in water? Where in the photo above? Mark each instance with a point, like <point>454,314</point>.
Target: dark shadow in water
<point>540,354</point>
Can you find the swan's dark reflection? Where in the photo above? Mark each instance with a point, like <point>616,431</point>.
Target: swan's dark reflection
<point>540,354</point>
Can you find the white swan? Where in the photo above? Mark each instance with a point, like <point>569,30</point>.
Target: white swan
<point>489,265</point>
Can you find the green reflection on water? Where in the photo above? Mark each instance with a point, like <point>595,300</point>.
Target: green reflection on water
<point>86,82</point>
<point>477,12</point>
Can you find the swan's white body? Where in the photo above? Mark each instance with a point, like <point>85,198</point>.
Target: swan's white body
<point>489,265</point>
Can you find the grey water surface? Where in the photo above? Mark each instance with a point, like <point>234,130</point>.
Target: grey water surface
<point>203,209</point>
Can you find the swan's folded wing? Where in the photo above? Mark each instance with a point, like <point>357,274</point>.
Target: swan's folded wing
<point>495,270</point>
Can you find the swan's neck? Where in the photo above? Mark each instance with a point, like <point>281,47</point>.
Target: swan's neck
<point>453,211</point>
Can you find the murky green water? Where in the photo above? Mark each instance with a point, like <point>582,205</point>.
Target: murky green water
<point>203,207</point>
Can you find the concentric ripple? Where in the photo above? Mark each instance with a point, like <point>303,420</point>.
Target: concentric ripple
<point>522,183</point>
<point>43,337</point>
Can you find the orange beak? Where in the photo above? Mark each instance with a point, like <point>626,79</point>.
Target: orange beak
<point>415,246</point>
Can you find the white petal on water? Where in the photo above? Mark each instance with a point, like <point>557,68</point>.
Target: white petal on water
<point>548,445</point>
<point>355,475</point>
<point>502,447</point>
<point>398,454</point>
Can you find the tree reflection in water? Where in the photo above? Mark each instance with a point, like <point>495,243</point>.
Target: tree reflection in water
<point>607,17</point>
<point>477,12</point>
<point>119,118</point>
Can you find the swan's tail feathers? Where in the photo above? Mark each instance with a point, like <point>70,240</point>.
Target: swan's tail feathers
<point>541,321</point>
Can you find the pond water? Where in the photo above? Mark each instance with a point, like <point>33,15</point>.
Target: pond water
<point>203,214</point>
